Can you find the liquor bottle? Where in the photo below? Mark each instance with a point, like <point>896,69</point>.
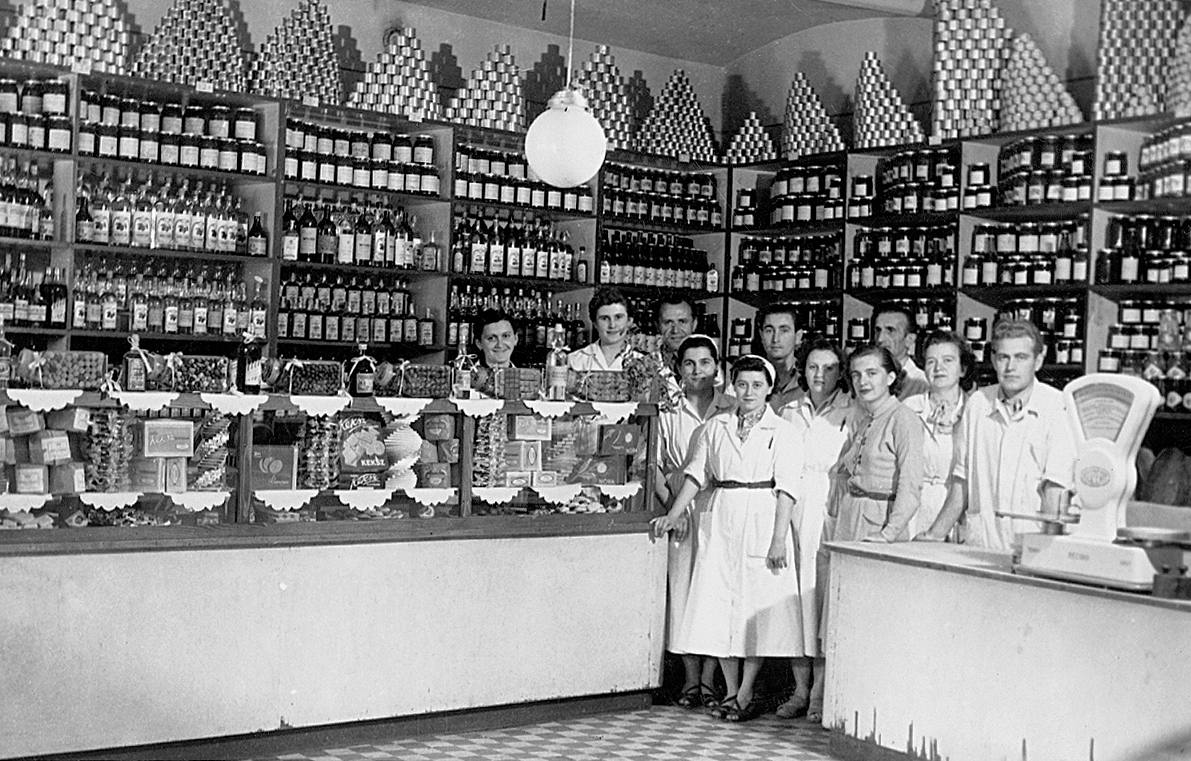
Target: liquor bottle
<point>258,313</point>
<point>290,233</point>
<point>135,374</point>
<point>581,266</point>
<point>258,241</point>
<point>363,239</point>
<point>431,255</point>
<point>5,357</point>
<point>56,297</point>
<point>309,231</point>
<point>557,368</point>
<point>249,365</point>
<point>478,239</point>
<point>426,330</point>
<point>84,225</point>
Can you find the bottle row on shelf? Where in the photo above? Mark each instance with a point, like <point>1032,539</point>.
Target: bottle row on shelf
<point>655,260</point>
<point>507,244</point>
<point>1028,253</point>
<point>494,176</point>
<point>812,262</point>
<point>534,312</point>
<point>26,200</point>
<point>29,298</point>
<point>363,233</point>
<point>366,160</point>
<point>661,196</point>
<point>908,257</point>
<point>1152,339</point>
<point>1145,249</point>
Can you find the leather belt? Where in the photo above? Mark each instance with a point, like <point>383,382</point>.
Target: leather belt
<point>744,484</point>
<point>856,491</point>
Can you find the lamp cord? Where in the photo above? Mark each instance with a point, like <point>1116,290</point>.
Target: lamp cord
<point>571,45</point>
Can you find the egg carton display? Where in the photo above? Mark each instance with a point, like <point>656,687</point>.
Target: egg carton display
<point>492,98</point>
<point>198,41</point>
<point>94,35</point>
<point>971,47</point>
<point>298,58</point>
<point>1178,75</point>
<point>807,128</point>
<point>751,144</point>
<point>1032,95</point>
<point>602,84</point>
<point>677,126</point>
<point>881,118</point>
<point>399,82</point>
<point>1137,41</point>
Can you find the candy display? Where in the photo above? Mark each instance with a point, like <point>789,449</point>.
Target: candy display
<point>881,118</point>
<point>1137,41</point>
<point>1032,95</point>
<point>208,464</point>
<point>492,97</point>
<point>311,378</point>
<point>600,385</point>
<point>413,380</point>
<point>807,128</point>
<point>751,144</point>
<point>678,126</point>
<point>96,36</point>
<point>319,464</point>
<point>62,369</point>
<point>970,54</point>
<point>601,82</point>
<point>109,451</point>
<point>488,458</point>
<point>399,82</point>
<point>197,41</point>
<point>298,58</point>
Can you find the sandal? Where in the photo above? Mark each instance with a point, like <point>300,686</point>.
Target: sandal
<point>794,707</point>
<point>690,697</point>
<point>737,713</point>
<point>718,710</point>
<point>814,712</point>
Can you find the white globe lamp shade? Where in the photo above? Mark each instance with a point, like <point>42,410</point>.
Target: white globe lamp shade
<point>565,145</point>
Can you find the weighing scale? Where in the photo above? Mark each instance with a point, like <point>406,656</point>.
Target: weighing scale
<point>1109,415</point>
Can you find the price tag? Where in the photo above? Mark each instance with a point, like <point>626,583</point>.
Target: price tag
<point>684,158</point>
<point>202,86</point>
<point>81,66</point>
<point>310,101</point>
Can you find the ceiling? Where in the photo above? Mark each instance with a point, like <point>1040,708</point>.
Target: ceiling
<point>716,32</point>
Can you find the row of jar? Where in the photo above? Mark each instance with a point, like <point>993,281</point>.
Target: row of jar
<point>1131,266</point>
<point>471,159</point>
<point>365,174</point>
<point>636,179</point>
<point>927,165</point>
<point>34,97</point>
<point>1073,153</point>
<point>1030,237</point>
<point>885,242</point>
<point>994,269</point>
<point>1168,371</point>
<point>168,118</point>
<point>379,145</point>
<point>648,207</point>
<point>934,271</point>
<point>532,194</point>
<point>187,150</point>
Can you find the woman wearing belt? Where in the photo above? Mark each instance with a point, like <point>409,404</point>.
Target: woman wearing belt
<point>743,600</point>
<point>698,362</point>
<point>949,366</point>
<point>820,414</point>
<point>879,474</point>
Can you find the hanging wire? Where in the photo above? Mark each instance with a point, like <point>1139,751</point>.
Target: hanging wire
<point>571,45</point>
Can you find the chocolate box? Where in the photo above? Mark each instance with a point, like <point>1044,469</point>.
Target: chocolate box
<point>165,438</point>
<point>624,438</point>
<point>49,448</point>
<point>72,419</point>
<point>32,479</point>
<point>438,427</point>
<point>160,475</point>
<point>274,467</point>
<point>70,478</point>
<point>546,478</point>
<point>23,421</point>
<point>523,455</point>
<point>434,475</point>
<point>529,428</point>
<point>599,470</point>
<point>448,451</point>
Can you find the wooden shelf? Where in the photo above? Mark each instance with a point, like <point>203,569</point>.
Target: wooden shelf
<point>537,284</point>
<point>793,229</point>
<point>313,187</point>
<point>764,298</point>
<point>645,225</point>
<point>1117,292</point>
<point>930,219</point>
<point>997,295</point>
<point>536,211</point>
<point>877,295</point>
<point>122,336</point>
<point>193,172</point>
<point>359,269</point>
<point>1046,212</point>
<point>166,253</point>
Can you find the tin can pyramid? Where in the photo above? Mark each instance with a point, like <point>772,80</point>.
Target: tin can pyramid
<point>881,118</point>
<point>399,81</point>
<point>751,144</point>
<point>677,125</point>
<point>1178,75</point>
<point>491,99</point>
<point>602,84</point>
<point>93,33</point>
<point>298,58</point>
<point>1033,96</point>
<point>971,46</point>
<point>807,129</point>
<point>197,41</point>
<point>1137,41</point>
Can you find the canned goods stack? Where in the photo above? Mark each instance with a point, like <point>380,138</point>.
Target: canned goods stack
<point>751,145</point>
<point>602,84</point>
<point>1178,75</point>
<point>69,33</point>
<point>677,125</point>
<point>491,99</point>
<point>1033,96</point>
<point>808,129</point>
<point>1137,39</point>
<point>970,51</point>
<point>197,41</point>
<point>881,118</point>
<point>298,59</point>
<point>399,82</point>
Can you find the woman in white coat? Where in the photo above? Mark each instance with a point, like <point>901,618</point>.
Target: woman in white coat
<point>820,415</point>
<point>744,600</point>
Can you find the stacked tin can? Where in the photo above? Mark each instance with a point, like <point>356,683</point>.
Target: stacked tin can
<point>1137,40</point>
<point>298,59</point>
<point>677,125</point>
<point>807,128</point>
<point>71,33</point>
<point>751,144</point>
<point>399,82</point>
<point>491,99</point>
<point>1178,75</point>
<point>1032,95</point>
<point>881,118</point>
<point>970,49</point>
<point>604,87</point>
<point>197,41</point>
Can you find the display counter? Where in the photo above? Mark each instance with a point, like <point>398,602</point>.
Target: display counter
<point>941,651</point>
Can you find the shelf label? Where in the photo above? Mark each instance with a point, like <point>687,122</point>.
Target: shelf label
<point>202,86</point>
<point>310,101</point>
<point>81,66</point>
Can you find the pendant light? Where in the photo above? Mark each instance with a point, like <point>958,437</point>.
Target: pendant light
<point>565,145</point>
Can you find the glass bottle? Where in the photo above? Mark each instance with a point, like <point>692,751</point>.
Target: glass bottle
<point>258,241</point>
<point>361,377</point>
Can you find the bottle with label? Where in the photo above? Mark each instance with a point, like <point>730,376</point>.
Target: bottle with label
<point>258,241</point>
<point>361,373</point>
<point>134,376</point>
<point>56,297</point>
<point>557,367</point>
<point>84,225</point>
<point>426,330</point>
<point>258,310</point>
<point>248,365</point>
<point>290,234</point>
<point>309,231</point>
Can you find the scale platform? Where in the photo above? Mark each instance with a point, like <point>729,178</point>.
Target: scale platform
<point>1090,561</point>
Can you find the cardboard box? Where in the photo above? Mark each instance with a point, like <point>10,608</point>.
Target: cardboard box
<point>518,478</point>
<point>274,467</point>
<point>434,475</point>
<point>32,479</point>
<point>448,451</point>
<point>72,419</point>
<point>165,438</point>
<point>523,455</point>
<point>438,427</point>
<point>429,452</point>
<point>70,478</point>
<point>529,428</point>
<point>49,448</point>
<point>158,475</point>
<point>623,438</point>
<point>8,450</point>
<point>3,420</point>
<point>546,478</point>
<point>599,470</point>
<point>23,421</point>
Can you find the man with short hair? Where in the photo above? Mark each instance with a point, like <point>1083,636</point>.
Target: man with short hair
<point>894,328</point>
<point>1014,451</point>
<point>675,318</point>
<point>779,341</point>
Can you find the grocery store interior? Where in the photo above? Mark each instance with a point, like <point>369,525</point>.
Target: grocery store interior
<point>265,494</point>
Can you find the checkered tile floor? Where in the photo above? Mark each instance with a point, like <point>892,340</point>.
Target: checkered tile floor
<point>657,734</point>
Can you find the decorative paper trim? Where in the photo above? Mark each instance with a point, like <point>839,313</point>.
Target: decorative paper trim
<point>109,501</point>
<point>559,495</point>
<point>196,501</point>
<point>285,499</point>
<point>497,495</point>
<point>620,491</point>
<point>320,406</point>
<point>399,406</point>
<point>364,499</point>
<point>614,412</point>
<point>44,399</point>
<point>234,404</point>
<point>145,401</point>
<point>429,497</point>
<point>479,407</point>
<point>549,409</point>
<point>23,503</point>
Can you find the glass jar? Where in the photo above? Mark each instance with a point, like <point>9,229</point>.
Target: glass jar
<point>55,96</point>
<point>171,119</point>
<point>208,152</point>
<point>219,122</point>
<point>244,124</point>
<point>129,143</point>
<point>194,120</point>
<point>171,148</point>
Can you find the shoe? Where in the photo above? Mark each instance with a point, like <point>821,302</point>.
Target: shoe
<point>794,707</point>
<point>814,712</point>
<point>737,713</point>
<point>690,697</point>
<point>719,709</point>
